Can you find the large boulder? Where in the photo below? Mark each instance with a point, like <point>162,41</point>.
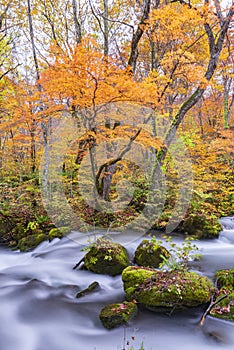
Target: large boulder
<point>160,290</point>
<point>149,254</point>
<point>114,315</point>
<point>202,225</point>
<point>106,257</point>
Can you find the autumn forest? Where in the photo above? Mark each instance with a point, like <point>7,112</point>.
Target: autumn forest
<point>94,94</point>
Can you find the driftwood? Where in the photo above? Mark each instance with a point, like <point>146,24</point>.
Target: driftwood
<point>92,287</point>
<point>210,307</point>
<point>78,264</point>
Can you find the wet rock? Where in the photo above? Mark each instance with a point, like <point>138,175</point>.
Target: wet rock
<point>114,315</point>
<point>202,226</point>
<point>91,288</point>
<point>159,290</point>
<point>149,254</point>
<point>106,257</point>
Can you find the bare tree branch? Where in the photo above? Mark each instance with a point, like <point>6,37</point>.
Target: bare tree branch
<point>117,159</point>
<point>8,71</point>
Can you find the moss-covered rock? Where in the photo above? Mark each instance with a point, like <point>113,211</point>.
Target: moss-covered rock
<point>58,232</point>
<point>114,315</point>
<point>170,289</point>
<point>30,242</point>
<point>225,278</point>
<point>202,226</point>
<point>149,254</point>
<point>106,257</point>
<point>224,309</point>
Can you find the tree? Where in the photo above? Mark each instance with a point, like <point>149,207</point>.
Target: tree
<point>215,41</point>
<point>87,58</point>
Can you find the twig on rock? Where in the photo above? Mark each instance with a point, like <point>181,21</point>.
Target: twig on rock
<point>210,307</point>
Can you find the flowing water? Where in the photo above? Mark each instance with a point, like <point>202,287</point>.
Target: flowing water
<point>39,311</point>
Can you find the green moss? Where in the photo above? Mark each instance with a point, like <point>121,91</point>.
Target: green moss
<point>225,278</point>
<point>149,254</point>
<point>115,315</point>
<point>134,276</point>
<point>57,232</point>
<point>225,282</point>
<point>30,242</point>
<point>106,257</point>
<point>167,289</point>
<point>4,227</point>
<point>202,226</point>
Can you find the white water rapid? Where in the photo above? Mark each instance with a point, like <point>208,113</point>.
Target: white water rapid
<point>39,311</point>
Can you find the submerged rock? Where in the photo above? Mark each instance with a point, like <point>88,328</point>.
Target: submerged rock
<point>106,257</point>
<point>157,290</point>
<point>149,254</point>
<point>114,315</point>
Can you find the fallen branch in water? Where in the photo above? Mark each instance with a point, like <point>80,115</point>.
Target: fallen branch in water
<point>91,288</point>
<point>78,264</point>
<point>210,307</point>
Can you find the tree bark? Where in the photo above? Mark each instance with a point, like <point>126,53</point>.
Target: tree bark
<point>78,34</point>
<point>31,32</point>
<point>106,28</point>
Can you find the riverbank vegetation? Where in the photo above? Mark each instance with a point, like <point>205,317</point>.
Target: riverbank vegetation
<point>125,81</point>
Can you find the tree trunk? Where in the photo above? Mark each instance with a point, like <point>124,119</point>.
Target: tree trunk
<point>77,25</point>
<point>31,32</point>
<point>33,149</point>
<point>227,107</point>
<point>106,28</point>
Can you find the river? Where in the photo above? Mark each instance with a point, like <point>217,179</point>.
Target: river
<point>39,311</point>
